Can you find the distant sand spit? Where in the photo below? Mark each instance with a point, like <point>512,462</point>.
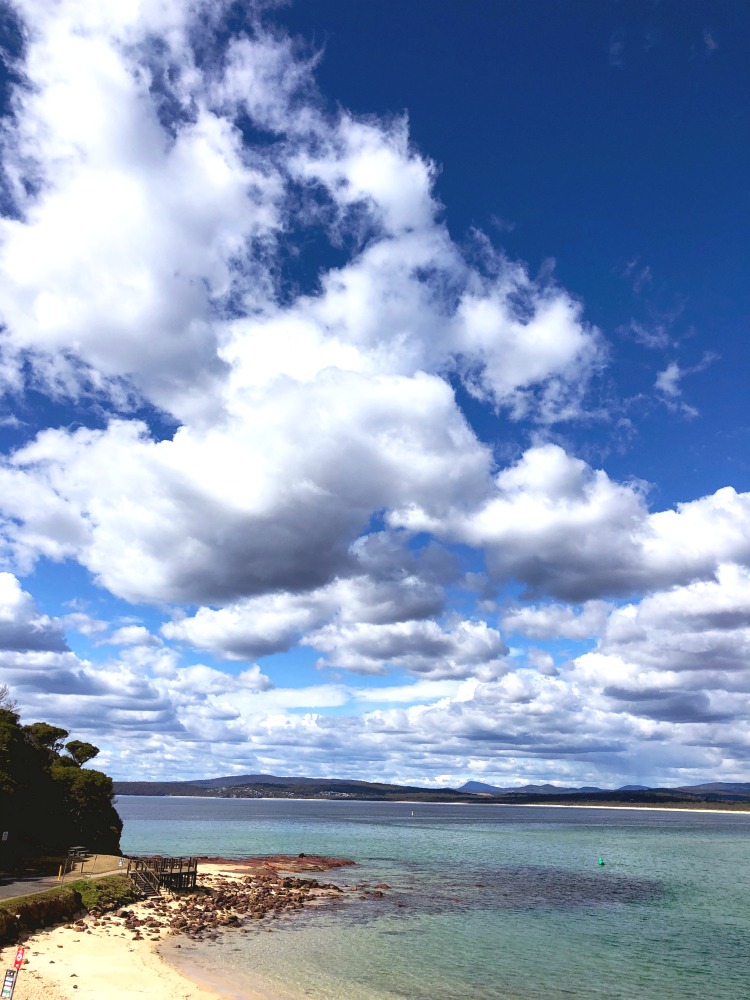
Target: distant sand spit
<point>635,808</point>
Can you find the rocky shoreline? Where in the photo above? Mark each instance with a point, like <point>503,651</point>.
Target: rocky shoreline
<point>118,952</point>
<point>247,890</point>
<point>230,893</point>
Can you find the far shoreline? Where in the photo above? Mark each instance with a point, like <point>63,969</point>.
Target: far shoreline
<point>632,808</point>
<point>729,808</point>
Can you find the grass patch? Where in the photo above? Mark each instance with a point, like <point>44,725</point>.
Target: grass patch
<point>21,914</point>
<point>106,893</point>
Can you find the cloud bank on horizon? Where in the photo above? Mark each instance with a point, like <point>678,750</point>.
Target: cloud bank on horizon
<point>294,478</point>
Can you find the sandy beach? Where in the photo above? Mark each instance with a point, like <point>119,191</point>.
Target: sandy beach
<point>111,956</point>
<point>63,964</point>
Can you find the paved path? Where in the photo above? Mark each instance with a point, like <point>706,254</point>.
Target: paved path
<point>14,885</point>
<point>18,886</point>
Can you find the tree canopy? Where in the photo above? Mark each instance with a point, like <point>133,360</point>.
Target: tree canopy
<point>47,797</point>
<point>81,752</point>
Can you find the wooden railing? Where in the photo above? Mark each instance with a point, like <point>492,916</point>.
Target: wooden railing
<point>173,873</point>
<point>143,875</point>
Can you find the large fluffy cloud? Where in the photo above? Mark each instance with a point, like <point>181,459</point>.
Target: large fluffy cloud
<point>681,655</point>
<point>275,622</point>
<point>144,263</point>
<point>565,529</point>
<point>144,218</point>
<point>300,472</point>
<point>270,502</point>
<point>421,647</point>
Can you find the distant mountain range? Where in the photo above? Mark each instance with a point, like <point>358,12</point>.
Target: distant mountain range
<point>724,794</point>
<point>479,788</point>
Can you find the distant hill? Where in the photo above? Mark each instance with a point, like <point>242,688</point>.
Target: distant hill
<point>233,780</point>
<point>479,788</point>
<point>273,786</point>
<point>161,788</point>
<point>716,794</point>
<point>729,787</point>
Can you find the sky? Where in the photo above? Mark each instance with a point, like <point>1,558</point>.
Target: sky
<point>374,387</point>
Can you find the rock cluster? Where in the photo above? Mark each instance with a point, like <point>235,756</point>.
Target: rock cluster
<point>219,902</point>
<point>249,890</point>
<point>270,864</point>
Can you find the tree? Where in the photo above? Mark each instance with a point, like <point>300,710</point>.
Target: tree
<point>87,815</point>
<point>5,700</point>
<point>47,798</point>
<point>81,752</point>
<point>46,737</point>
<point>11,748</point>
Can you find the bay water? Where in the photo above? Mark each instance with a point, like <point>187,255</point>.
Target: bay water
<point>485,902</point>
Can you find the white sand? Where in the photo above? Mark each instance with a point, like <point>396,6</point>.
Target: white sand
<point>105,962</point>
<point>63,964</point>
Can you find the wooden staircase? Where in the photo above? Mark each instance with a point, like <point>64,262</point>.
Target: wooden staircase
<point>149,874</point>
<point>145,880</point>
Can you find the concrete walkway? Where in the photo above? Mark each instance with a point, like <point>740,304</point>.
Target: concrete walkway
<point>19,885</point>
<point>14,885</point>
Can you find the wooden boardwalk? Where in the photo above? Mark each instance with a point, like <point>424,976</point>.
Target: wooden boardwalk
<point>156,871</point>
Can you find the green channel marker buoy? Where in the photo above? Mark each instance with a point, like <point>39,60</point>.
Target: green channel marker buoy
<point>600,861</point>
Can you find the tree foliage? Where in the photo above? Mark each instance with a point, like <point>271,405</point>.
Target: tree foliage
<point>47,798</point>
<point>81,752</point>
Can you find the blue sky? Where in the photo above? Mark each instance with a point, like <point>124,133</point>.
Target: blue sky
<point>374,387</point>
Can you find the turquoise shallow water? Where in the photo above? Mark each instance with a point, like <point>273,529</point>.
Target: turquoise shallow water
<point>487,902</point>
